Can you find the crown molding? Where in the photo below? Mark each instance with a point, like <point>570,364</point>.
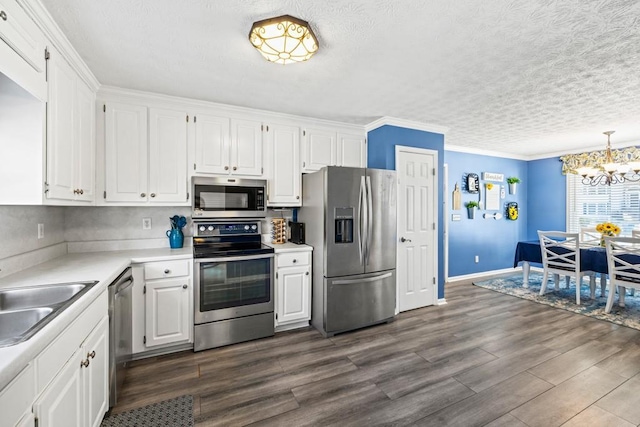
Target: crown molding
<point>113,93</point>
<point>403,123</point>
<point>54,34</point>
<point>482,152</point>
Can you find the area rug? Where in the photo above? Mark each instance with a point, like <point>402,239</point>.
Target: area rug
<point>565,298</point>
<point>177,412</point>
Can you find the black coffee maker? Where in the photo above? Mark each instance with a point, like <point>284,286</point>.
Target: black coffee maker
<point>297,232</point>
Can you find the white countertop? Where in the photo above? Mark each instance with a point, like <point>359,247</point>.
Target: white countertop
<point>289,247</point>
<point>103,267</point>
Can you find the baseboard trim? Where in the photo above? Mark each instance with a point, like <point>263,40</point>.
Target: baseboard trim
<point>482,274</point>
<point>441,301</point>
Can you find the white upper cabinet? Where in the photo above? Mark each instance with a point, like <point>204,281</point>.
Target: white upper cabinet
<point>212,144</point>
<point>228,146</point>
<point>145,168</point>
<point>352,150</point>
<point>70,134</point>
<point>125,153</point>
<point>246,147</point>
<point>22,34</point>
<point>318,149</point>
<point>282,157</point>
<point>167,155</point>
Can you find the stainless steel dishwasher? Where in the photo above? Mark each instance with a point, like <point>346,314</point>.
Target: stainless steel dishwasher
<point>120,332</point>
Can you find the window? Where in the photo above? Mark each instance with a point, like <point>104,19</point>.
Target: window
<point>587,206</point>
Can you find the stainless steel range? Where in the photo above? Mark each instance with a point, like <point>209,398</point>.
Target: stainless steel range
<point>234,277</point>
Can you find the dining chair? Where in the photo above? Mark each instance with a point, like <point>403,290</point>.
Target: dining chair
<point>561,256</point>
<point>623,258</point>
<point>589,236</point>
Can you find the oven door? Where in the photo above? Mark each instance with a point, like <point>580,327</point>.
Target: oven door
<point>231,287</point>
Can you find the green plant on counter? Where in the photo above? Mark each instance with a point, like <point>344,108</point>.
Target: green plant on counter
<point>513,180</point>
<point>471,204</point>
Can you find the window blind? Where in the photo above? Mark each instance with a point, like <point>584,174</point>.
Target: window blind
<point>588,206</point>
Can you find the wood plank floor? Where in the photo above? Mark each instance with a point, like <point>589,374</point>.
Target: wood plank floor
<point>482,359</point>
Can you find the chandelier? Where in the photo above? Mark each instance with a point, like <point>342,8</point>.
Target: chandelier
<point>608,171</point>
<point>284,40</point>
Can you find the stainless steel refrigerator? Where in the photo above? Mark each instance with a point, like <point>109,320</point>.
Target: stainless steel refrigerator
<point>350,217</point>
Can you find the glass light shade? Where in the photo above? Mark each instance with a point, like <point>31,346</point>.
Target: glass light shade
<point>284,39</point>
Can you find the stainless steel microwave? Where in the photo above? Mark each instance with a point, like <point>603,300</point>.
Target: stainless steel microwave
<point>225,197</point>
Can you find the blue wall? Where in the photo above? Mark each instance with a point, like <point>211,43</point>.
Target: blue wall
<point>381,154</point>
<point>547,197</point>
<point>494,241</point>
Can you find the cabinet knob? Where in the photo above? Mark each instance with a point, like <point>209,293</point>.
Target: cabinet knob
<point>295,260</point>
<point>81,191</point>
<point>84,363</point>
<point>307,273</point>
<point>167,271</point>
<point>75,191</point>
<point>184,286</point>
<point>297,197</point>
<point>143,194</point>
<point>153,194</point>
<point>3,15</point>
<point>226,168</point>
<point>91,355</point>
<point>235,168</point>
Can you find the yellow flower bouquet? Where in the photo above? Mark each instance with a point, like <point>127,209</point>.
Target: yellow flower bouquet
<point>607,229</point>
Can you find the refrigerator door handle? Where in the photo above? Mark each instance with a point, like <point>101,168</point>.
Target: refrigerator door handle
<point>360,227</point>
<point>356,281</point>
<point>369,219</point>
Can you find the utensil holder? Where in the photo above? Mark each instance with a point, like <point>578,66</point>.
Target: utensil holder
<point>176,238</point>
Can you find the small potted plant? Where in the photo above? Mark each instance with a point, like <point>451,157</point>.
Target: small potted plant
<point>471,208</point>
<point>513,184</point>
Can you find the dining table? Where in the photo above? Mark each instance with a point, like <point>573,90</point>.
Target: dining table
<point>593,258</point>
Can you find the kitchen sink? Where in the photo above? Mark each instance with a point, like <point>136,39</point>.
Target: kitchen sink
<point>24,311</point>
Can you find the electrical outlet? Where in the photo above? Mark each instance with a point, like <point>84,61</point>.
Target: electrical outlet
<point>477,259</point>
<point>40,231</point>
<point>146,223</point>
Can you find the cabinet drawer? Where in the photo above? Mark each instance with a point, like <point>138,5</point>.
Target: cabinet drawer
<point>293,259</point>
<point>162,269</point>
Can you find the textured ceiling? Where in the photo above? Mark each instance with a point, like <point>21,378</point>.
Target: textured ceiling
<point>515,76</point>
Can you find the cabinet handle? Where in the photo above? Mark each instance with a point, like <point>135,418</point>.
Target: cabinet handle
<point>143,194</point>
<point>184,286</point>
<point>84,363</point>
<point>153,194</point>
<point>226,168</point>
<point>91,355</point>
<point>167,271</point>
<point>3,15</point>
<point>235,168</point>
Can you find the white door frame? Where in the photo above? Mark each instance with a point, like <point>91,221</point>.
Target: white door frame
<point>445,222</point>
<point>434,153</point>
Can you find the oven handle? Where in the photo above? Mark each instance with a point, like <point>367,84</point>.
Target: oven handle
<point>234,258</point>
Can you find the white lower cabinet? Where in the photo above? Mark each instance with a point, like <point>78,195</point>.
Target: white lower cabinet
<point>79,394</point>
<point>293,289</point>
<point>162,305</point>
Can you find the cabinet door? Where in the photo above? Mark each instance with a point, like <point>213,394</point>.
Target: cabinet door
<point>22,34</point>
<point>62,402</point>
<point>85,141</point>
<point>167,318</point>
<point>319,149</point>
<point>167,155</point>
<point>283,170</point>
<point>96,374</point>
<point>352,151</point>
<point>293,296</point>
<point>60,129</point>
<point>212,144</point>
<point>246,147</point>
<point>126,153</point>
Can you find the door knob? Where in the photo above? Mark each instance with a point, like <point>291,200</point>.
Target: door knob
<point>402,239</point>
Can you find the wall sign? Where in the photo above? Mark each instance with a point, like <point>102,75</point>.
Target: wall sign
<point>491,176</point>
<point>473,183</point>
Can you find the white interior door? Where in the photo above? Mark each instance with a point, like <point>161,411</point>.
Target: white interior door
<point>417,263</point>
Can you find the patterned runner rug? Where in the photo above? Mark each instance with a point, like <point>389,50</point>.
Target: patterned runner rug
<point>177,412</point>
<point>566,298</point>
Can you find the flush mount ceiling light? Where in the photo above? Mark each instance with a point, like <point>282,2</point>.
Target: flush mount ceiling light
<point>613,167</point>
<point>284,40</point>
